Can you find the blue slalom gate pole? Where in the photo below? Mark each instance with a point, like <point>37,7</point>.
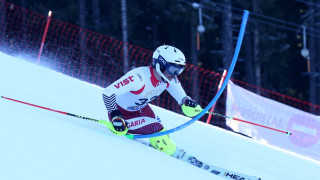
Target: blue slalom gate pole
<point>213,101</point>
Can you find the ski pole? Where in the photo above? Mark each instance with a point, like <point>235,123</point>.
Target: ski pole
<point>236,119</point>
<point>105,122</point>
<point>61,112</point>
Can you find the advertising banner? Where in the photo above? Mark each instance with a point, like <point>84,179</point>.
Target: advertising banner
<point>248,106</point>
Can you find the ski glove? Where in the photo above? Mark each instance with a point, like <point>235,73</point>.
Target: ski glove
<point>118,125</point>
<point>190,107</point>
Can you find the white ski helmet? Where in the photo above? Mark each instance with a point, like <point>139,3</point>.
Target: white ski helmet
<point>168,58</point>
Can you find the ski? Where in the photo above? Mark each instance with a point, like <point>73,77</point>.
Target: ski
<point>218,171</point>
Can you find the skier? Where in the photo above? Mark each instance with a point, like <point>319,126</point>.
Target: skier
<point>127,98</point>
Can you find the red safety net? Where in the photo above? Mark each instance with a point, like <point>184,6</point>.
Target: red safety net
<point>98,59</point>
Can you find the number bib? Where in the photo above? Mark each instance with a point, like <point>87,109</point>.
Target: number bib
<point>138,87</point>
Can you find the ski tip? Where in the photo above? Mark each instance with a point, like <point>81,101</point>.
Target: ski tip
<point>256,178</point>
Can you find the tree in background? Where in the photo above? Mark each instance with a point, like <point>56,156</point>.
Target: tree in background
<point>313,19</point>
<point>270,56</point>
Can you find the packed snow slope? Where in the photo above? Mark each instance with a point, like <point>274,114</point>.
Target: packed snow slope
<point>39,144</point>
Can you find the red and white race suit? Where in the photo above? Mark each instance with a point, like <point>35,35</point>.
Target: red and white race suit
<point>131,94</point>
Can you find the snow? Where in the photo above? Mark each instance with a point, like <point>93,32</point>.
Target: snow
<point>39,144</point>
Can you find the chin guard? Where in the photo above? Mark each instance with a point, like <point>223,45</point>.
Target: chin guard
<point>163,77</point>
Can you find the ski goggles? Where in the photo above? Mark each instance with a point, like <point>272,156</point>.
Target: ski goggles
<point>174,69</point>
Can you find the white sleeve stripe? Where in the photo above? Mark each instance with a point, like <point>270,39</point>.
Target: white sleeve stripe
<point>110,102</point>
